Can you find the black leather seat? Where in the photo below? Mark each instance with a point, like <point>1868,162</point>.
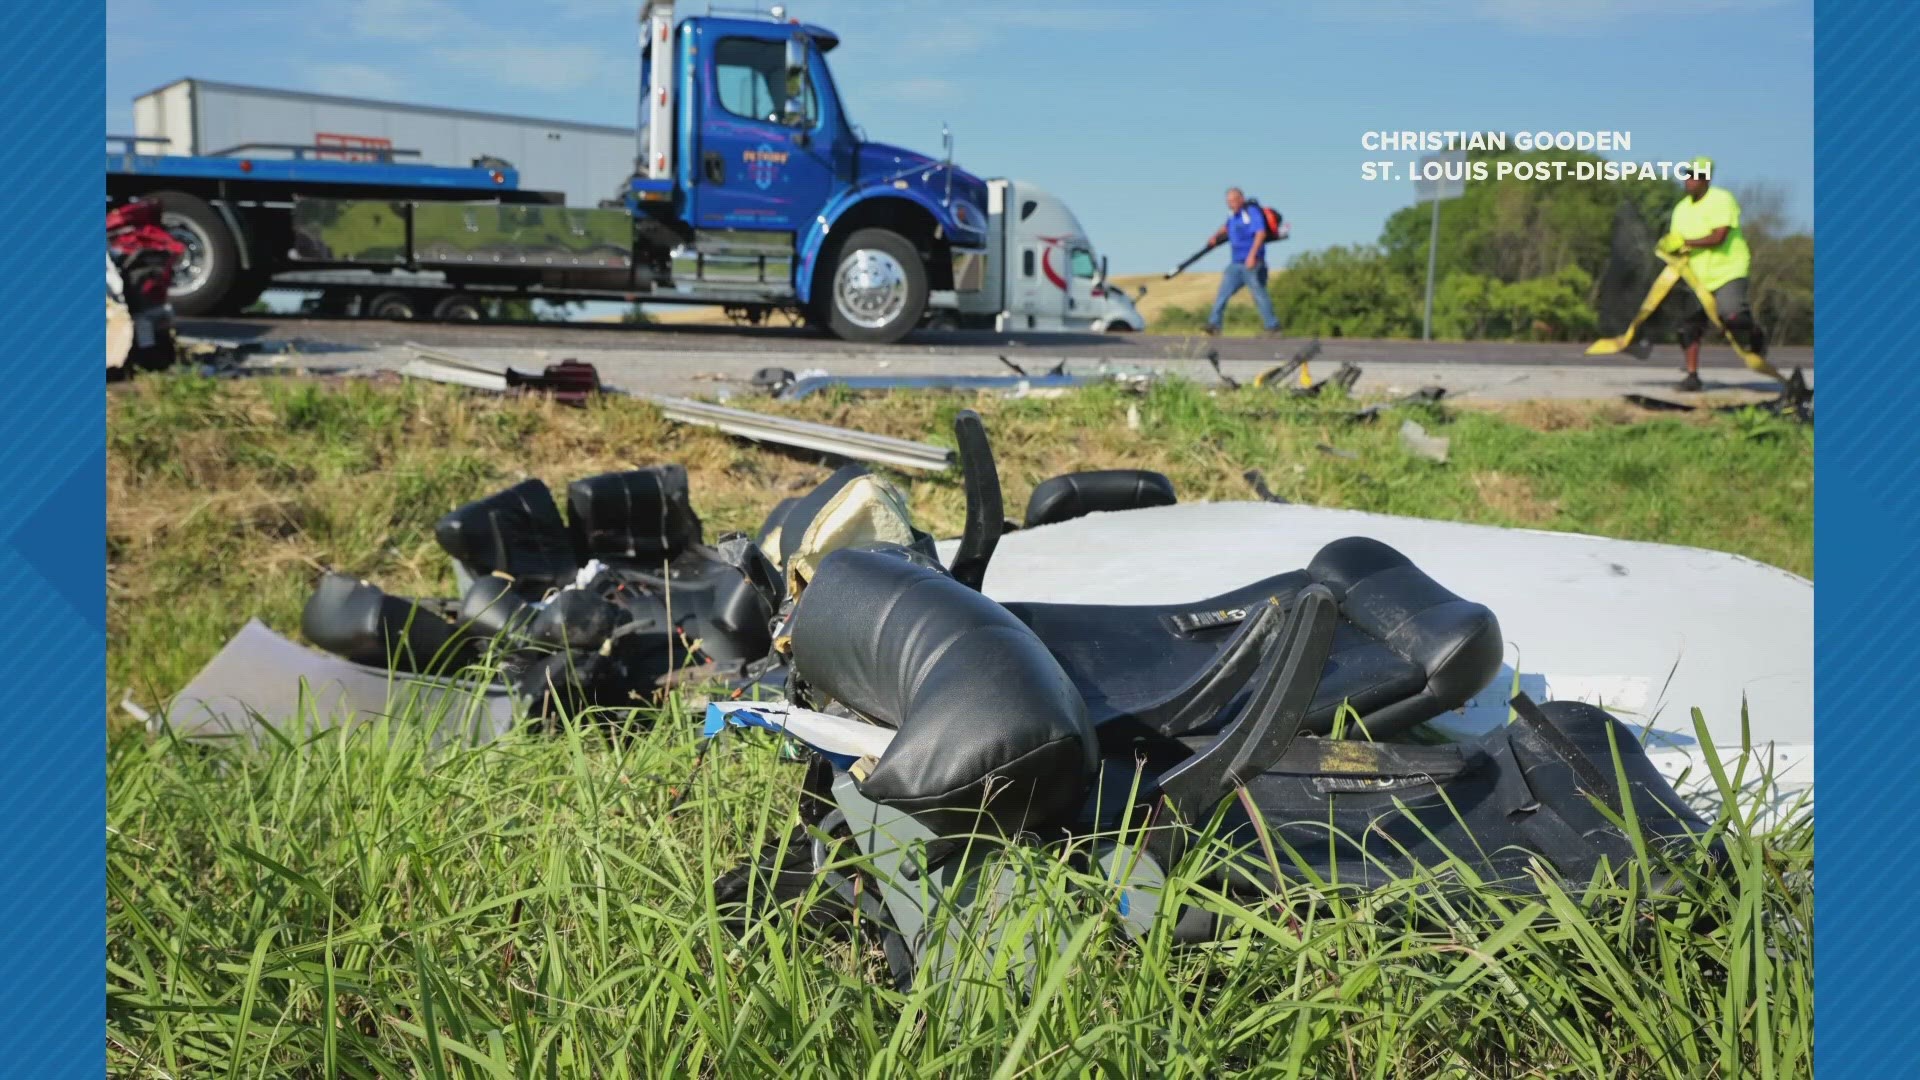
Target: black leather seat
<point>984,693</point>
<point>1404,651</point>
<point>988,723</point>
<point>665,591</point>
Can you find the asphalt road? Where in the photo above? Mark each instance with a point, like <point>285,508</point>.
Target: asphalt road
<point>320,335</point>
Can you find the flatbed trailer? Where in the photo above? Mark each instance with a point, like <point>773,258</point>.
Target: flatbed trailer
<point>233,212</point>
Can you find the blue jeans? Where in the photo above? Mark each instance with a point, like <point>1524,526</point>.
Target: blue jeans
<point>1238,277</point>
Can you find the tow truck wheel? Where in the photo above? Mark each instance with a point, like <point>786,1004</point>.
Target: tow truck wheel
<point>878,290</point>
<point>397,306</point>
<point>206,270</point>
<point>459,308</point>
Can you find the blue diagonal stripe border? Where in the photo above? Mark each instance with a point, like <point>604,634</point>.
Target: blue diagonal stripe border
<point>1867,526</point>
<point>52,564</point>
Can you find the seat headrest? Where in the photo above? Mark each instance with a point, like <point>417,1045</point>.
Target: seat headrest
<point>644,515</point>
<point>1457,642</point>
<point>517,532</point>
<point>1078,494</point>
<point>987,719</point>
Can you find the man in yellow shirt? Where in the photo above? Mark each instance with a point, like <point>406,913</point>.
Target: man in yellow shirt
<point>1706,227</point>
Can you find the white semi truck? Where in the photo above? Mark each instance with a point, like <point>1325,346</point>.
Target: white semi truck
<point>1043,273</point>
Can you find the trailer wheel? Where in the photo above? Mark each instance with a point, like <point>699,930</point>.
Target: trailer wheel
<point>878,289</point>
<point>397,306</point>
<point>459,308</point>
<point>205,272</point>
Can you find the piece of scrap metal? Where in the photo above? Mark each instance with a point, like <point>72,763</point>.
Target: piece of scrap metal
<point>1416,439</point>
<point>438,366</point>
<point>801,388</point>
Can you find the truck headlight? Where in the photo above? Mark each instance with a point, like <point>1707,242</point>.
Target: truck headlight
<point>969,217</point>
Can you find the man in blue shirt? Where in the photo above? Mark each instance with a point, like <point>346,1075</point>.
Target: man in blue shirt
<point>1246,236</point>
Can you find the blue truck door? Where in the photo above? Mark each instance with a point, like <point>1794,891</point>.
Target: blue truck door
<point>755,172</point>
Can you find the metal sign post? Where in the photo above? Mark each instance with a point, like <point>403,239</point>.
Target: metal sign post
<point>1439,176</point>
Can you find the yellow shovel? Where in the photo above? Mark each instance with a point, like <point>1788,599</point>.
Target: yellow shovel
<point>1678,270</point>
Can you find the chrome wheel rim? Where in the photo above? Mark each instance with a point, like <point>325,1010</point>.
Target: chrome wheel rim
<point>870,288</point>
<point>191,268</point>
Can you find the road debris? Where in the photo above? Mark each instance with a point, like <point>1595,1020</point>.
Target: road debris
<point>1654,404</point>
<point>1426,395</point>
<point>1344,378</point>
<point>140,266</point>
<point>1277,376</point>
<point>1213,358</point>
<point>1257,480</point>
<point>1415,438</point>
<point>1015,385</point>
<point>1057,369</point>
<point>772,380</point>
<point>573,382</point>
<point>1795,401</point>
<point>263,681</point>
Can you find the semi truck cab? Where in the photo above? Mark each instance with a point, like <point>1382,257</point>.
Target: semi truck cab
<point>1043,270</point>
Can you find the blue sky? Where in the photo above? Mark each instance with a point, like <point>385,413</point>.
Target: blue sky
<point>1138,114</point>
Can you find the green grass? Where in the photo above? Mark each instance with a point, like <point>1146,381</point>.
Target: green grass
<point>226,499</point>
<point>362,906</point>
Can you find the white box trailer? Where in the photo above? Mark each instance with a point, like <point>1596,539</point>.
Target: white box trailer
<point>589,163</point>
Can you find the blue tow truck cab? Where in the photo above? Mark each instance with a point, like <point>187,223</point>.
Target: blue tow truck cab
<point>751,189</point>
<point>745,141</point>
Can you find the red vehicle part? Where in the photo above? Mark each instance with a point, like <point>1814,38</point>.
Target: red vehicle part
<point>144,250</point>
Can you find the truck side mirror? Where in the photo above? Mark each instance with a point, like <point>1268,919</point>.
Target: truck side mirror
<point>1102,279</point>
<point>795,114</point>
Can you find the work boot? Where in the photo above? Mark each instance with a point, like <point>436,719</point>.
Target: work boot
<point>1211,331</point>
<point>1275,333</point>
<point>1691,383</point>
